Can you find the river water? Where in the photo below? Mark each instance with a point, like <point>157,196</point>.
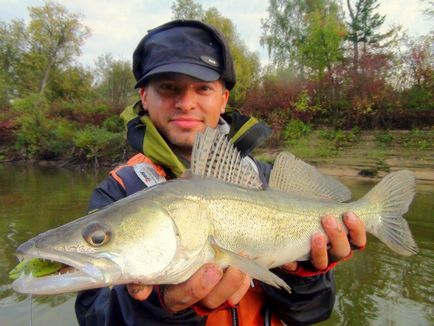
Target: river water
<point>376,287</point>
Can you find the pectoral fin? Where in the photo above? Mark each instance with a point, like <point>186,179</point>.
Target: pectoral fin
<point>225,257</point>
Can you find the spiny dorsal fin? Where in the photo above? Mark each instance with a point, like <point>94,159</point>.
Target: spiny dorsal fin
<point>214,156</point>
<point>295,176</point>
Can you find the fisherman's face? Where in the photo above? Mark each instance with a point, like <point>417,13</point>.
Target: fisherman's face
<point>180,106</point>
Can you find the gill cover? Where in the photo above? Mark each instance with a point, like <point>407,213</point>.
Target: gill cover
<point>149,242</point>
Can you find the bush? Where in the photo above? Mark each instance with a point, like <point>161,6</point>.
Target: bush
<point>114,124</point>
<point>96,143</point>
<point>295,129</point>
<point>340,137</point>
<point>37,136</point>
<point>83,112</point>
<point>41,138</point>
<point>384,137</point>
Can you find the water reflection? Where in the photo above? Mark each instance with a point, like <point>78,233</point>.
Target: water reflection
<point>378,287</point>
<point>32,200</point>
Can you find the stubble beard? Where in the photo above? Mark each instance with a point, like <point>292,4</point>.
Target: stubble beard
<point>182,142</point>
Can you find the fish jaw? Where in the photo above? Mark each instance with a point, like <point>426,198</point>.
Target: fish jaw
<point>85,272</point>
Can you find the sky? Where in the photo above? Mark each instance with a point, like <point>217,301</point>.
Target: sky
<point>117,26</point>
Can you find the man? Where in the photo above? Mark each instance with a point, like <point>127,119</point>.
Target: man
<point>184,73</point>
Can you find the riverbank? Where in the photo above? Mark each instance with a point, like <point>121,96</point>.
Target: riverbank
<point>362,155</point>
<point>367,155</point>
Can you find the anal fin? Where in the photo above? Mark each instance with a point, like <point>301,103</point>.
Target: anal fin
<point>225,257</point>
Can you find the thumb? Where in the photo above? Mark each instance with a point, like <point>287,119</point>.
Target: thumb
<point>139,291</point>
<point>290,267</point>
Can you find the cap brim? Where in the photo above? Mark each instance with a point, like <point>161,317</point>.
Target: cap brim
<point>189,69</point>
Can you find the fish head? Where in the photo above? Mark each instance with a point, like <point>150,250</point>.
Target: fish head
<point>117,245</point>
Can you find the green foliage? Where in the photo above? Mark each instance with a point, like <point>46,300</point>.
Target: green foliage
<point>365,22</point>
<point>340,136</point>
<point>384,137</point>
<point>295,130</point>
<point>303,33</point>
<point>187,9</point>
<point>418,98</point>
<point>283,31</point>
<point>311,148</point>
<point>55,35</point>
<point>39,137</point>
<point>322,45</point>
<point>31,104</point>
<point>418,139</point>
<point>303,104</point>
<point>115,82</point>
<point>96,143</point>
<point>12,47</point>
<point>113,124</point>
<point>85,112</point>
<point>71,84</point>
<point>33,53</point>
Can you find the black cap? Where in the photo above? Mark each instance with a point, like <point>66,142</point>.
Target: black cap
<point>188,47</point>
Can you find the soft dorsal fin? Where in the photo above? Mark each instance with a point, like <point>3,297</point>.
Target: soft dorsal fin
<point>214,156</point>
<point>295,176</point>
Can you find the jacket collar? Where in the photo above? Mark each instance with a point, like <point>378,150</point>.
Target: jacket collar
<point>245,132</point>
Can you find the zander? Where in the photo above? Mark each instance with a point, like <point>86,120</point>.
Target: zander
<point>163,234</point>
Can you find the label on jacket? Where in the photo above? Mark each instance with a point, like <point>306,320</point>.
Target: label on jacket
<point>147,174</point>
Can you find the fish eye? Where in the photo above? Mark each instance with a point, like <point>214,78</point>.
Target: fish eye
<point>96,234</point>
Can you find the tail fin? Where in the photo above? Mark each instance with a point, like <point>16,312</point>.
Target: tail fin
<point>393,196</point>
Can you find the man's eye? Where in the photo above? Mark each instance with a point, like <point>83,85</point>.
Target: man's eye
<point>167,87</point>
<point>205,88</point>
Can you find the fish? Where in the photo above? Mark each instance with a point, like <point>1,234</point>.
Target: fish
<point>219,211</point>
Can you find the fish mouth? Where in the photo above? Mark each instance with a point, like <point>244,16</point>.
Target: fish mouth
<point>61,271</point>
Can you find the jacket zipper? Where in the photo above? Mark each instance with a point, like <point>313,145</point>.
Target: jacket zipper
<point>234,314</point>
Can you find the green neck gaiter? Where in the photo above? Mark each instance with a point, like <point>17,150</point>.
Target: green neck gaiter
<point>156,148</point>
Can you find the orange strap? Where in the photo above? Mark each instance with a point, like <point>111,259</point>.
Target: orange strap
<point>136,159</point>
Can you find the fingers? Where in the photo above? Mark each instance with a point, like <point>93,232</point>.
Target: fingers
<point>209,287</point>
<point>340,246</point>
<point>356,229</point>
<point>242,290</point>
<point>319,255</point>
<point>290,267</point>
<point>181,296</point>
<point>233,285</point>
<point>139,291</point>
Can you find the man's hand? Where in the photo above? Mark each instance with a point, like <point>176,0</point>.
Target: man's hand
<point>209,287</point>
<point>340,241</point>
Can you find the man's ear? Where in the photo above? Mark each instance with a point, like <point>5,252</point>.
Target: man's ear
<point>144,98</point>
<point>225,100</point>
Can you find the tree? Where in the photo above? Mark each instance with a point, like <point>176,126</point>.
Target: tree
<point>55,37</point>
<point>246,63</point>
<point>115,82</point>
<point>322,47</point>
<point>187,9</point>
<point>283,31</point>
<point>363,28</point>
<point>418,74</point>
<point>294,31</point>
<point>12,47</point>
<point>429,9</point>
<point>71,84</point>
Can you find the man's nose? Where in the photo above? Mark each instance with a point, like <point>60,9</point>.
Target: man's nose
<point>186,99</point>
